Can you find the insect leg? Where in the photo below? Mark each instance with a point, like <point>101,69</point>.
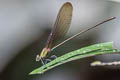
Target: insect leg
<point>53,57</point>
<point>47,60</point>
<point>42,61</point>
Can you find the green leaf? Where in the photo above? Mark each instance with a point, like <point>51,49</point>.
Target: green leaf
<point>88,51</point>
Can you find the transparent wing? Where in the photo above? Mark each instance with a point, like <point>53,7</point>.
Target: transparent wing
<point>62,24</point>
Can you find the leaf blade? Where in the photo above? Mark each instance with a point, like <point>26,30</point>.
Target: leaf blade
<point>96,49</point>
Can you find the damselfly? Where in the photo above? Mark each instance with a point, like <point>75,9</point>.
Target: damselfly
<point>60,28</point>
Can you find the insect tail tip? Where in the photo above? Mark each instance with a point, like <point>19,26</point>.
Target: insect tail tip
<point>113,17</point>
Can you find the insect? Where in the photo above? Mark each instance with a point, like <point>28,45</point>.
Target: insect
<point>60,28</point>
